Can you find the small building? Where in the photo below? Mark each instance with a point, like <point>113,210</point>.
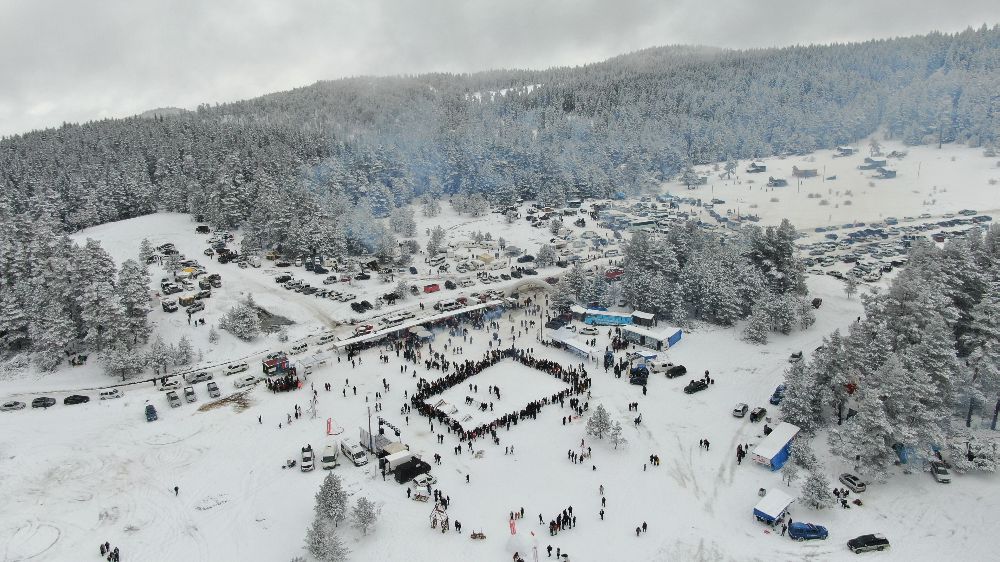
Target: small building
<point>804,173</point>
<point>643,319</point>
<point>574,203</point>
<point>573,344</point>
<point>658,338</point>
<point>873,164</point>
<point>776,182</point>
<point>605,318</point>
<point>885,173</point>
<point>774,449</point>
<point>756,168</point>
<point>846,151</point>
<point>772,506</point>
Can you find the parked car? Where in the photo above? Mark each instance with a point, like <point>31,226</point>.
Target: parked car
<point>866,543</point>
<point>423,480</point>
<point>189,394</point>
<point>588,331</point>
<point>76,399</point>
<point>196,307</point>
<point>807,531</point>
<point>111,394</point>
<point>245,380</point>
<point>43,402</point>
<point>237,368</point>
<point>676,371</point>
<point>193,378</point>
<point>362,330</point>
<point>740,410</point>
<point>940,472</point>
<point>795,357</point>
<point>169,305</point>
<point>173,399</point>
<point>213,389</point>
<point>757,414</point>
<point>852,482</point>
<point>11,406</point>
<point>308,459</point>
<point>151,413</point>
<point>695,386</point>
<point>171,384</point>
<point>779,393</point>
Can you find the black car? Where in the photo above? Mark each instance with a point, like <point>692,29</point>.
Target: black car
<point>43,402</point>
<point>366,305</point>
<point>413,270</point>
<point>320,270</point>
<point>76,399</point>
<point>283,264</point>
<point>449,284</point>
<point>515,274</point>
<point>530,272</point>
<point>676,371</point>
<point>356,307</point>
<point>695,386</point>
<point>362,277</point>
<point>758,414</point>
<point>284,278</point>
<point>865,543</point>
<point>526,258</point>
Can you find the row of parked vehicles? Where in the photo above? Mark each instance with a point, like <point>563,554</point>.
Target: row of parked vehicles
<point>47,401</point>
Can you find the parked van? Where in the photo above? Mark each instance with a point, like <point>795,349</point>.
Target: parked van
<point>173,399</point>
<point>354,452</point>
<point>325,338</point>
<point>445,306</point>
<point>329,458</point>
<point>299,348</point>
<point>437,260</point>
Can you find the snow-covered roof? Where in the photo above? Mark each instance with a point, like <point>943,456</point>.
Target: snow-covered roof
<point>577,309</point>
<point>776,441</point>
<point>658,334</point>
<point>774,503</point>
<point>643,315</point>
<point>566,337</point>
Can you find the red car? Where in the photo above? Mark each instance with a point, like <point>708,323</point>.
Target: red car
<point>432,288</point>
<point>362,330</point>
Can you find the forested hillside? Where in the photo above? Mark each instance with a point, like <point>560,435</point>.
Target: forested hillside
<point>618,125</point>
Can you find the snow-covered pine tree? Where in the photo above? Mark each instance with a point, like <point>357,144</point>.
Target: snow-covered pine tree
<point>555,225</point>
<point>615,435</point>
<point>790,472</point>
<point>185,351</point>
<point>435,244</point>
<point>242,321</point>
<point>323,542</point>
<point>816,491</point>
<point>331,500</point>
<point>562,297</point>
<point>365,514</point>
<point>283,334</point>
<point>146,251</point>
<point>546,256</point>
<point>159,356</point>
<point>850,287</point>
<point>133,291</point>
<point>213,335</point>
<point>801,404</point>
<point>757,327</point>
<point>599,422</point>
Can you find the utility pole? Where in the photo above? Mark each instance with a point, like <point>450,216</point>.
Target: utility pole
<point>370,443</point>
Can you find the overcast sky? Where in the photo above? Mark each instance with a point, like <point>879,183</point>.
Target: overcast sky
<point>73,60</point>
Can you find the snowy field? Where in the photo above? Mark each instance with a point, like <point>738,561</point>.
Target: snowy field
<point>74,476</point>
<point>518,385</point>
<point>929,180</point>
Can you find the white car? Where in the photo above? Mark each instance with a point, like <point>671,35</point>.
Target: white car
<point>423,480</point>
<point>589,331</point>
<point>236,368</point>
<point>170,385</point>
<point>111,394</point>
<point>10,406</point>
<point>246,380</point>
<point>308,459</point>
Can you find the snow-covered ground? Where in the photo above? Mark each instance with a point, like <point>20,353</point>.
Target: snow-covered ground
<point>74,476</point>
<point>929,180</point>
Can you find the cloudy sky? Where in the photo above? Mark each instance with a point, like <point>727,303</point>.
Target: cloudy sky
<point>71,60</point>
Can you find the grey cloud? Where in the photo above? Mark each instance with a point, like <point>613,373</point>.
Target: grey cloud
<point>67,60</point>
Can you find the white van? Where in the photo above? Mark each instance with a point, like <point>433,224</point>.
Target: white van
<point>325,338</point>
<point>354,452</point>
<point>611,253</point>
<point>329,458</point>
<point>497,266</point>
<point>437,260</point>
<point>299,348</point>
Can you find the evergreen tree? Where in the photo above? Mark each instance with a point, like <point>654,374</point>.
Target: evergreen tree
<point>365,514</point>
<point>331,500</point>
<point>757,326</point>
<point>323,542</point>
<point>850,287</point>
<point>133,291</point>
<point>801,404</point>
<point>146,251</point>
<point>816,491</point>
<point>159,355</point>
<point>615,435</point>
<point>213,335</point>
<point>241,321</point>
<point>562,297</point>
<point>546,256</point>
<point>599,422</point>
<point>435,244</point>
<point>184,353</point>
